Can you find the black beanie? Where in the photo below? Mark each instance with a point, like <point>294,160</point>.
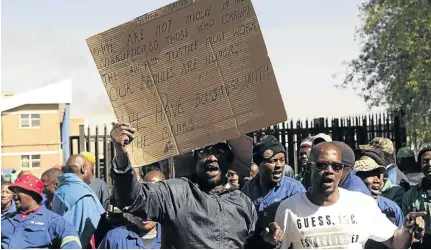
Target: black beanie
<point>376,155</point>
<point>347,154</point>
<point>267,147</point>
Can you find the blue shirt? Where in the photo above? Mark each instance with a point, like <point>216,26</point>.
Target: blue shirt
<point>77,203</point>
<point>266,205</point>
<point>391,210</point>
<point>354,183</point>
<point>40,229</point>
<point>123,238</point>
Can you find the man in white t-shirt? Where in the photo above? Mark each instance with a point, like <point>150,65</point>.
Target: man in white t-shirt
<point>332,217</point>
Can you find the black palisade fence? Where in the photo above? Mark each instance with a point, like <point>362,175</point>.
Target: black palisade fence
<point>353,130</point>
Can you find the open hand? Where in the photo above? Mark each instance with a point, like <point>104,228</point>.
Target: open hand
<point>273,234</point>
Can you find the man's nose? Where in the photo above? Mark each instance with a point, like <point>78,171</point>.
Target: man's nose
<point>212,158</point>
<point>329,169</point>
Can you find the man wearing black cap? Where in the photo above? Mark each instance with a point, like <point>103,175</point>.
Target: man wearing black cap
<point>349,180</point>
<point>270,186</point>
<point>193,213</point>
<point>419,196</point>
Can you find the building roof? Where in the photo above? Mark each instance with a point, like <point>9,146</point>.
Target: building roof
<point>59,92</point>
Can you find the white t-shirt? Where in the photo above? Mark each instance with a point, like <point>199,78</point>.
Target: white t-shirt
<point>348,223</point>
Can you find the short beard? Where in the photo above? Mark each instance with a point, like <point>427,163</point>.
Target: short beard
<point>211,184</point>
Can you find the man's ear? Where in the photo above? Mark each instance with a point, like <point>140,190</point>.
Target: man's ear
<point>83,169</point>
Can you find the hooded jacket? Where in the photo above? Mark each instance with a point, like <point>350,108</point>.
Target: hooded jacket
<point>78,204</point>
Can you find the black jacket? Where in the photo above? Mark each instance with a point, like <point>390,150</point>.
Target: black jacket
<point>190,218</point>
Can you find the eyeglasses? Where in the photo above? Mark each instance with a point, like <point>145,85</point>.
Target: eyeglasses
<point>206,152</point>
<point>322,165</point>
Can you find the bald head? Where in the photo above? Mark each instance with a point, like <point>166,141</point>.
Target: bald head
<point>52,174</point>
<point>324,148</point>
<point>81,166</point>
<point>154,176</point>
<point>23,173</point>
<point>75,162</point>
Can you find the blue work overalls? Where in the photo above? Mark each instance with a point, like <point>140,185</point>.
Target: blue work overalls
<point>40,229</point>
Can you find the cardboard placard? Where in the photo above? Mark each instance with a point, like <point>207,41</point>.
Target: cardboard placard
<point>187,75</point>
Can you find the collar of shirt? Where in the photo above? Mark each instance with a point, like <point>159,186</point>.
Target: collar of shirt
<point>257,197</point>
<point>22,215</point>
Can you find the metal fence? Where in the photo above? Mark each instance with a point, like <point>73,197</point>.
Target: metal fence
<point>354,131</point>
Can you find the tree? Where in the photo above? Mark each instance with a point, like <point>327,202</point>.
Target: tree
<point>394,65</point>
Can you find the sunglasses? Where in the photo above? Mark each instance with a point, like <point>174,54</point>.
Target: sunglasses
<point>321,165</point>
<point>206,152</point>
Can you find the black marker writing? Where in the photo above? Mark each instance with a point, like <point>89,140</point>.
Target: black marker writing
<point>169,110</point>
<point>109,78</point>
<point>188,67</point>
<point>178,129</point>
<point>236,14</point>
<point>205,25</point>
<point>182,51</point>
<point>164,27</point>
<point>200,14</point>
<point>120,91</point>
<point>258,75</point>
<point>104,48</point>
<point>178,36</point>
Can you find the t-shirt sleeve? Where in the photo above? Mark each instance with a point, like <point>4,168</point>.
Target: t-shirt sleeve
<point>282,219</point>
<point>382,228</point>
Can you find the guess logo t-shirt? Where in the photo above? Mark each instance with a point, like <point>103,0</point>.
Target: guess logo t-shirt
<point>348,223</point>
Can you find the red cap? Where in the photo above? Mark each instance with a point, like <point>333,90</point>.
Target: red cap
<point>28,182</point>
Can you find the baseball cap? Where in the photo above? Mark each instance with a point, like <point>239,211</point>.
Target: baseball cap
<point>307,142</point>
<point>368,164</point>
<point>384,144</point>
<point>321,138</point>
<point>89,156</point>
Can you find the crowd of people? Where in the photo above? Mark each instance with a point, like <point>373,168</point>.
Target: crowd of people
<point>367,197</point>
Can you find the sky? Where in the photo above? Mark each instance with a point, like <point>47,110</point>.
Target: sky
<point>45,41</point>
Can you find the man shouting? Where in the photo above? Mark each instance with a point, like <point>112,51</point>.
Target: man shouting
<point>194,213</point>
<point>332,217</point>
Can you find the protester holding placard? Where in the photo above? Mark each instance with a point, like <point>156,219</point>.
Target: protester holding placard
<point>194,213</point>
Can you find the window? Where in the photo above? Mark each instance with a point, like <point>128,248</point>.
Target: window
<point>30,161</point>
<point>30,120</point>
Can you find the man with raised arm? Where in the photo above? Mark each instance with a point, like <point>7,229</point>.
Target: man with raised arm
<point>194,213</point>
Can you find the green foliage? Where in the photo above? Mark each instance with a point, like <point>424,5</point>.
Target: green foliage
<point>394,65</point>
